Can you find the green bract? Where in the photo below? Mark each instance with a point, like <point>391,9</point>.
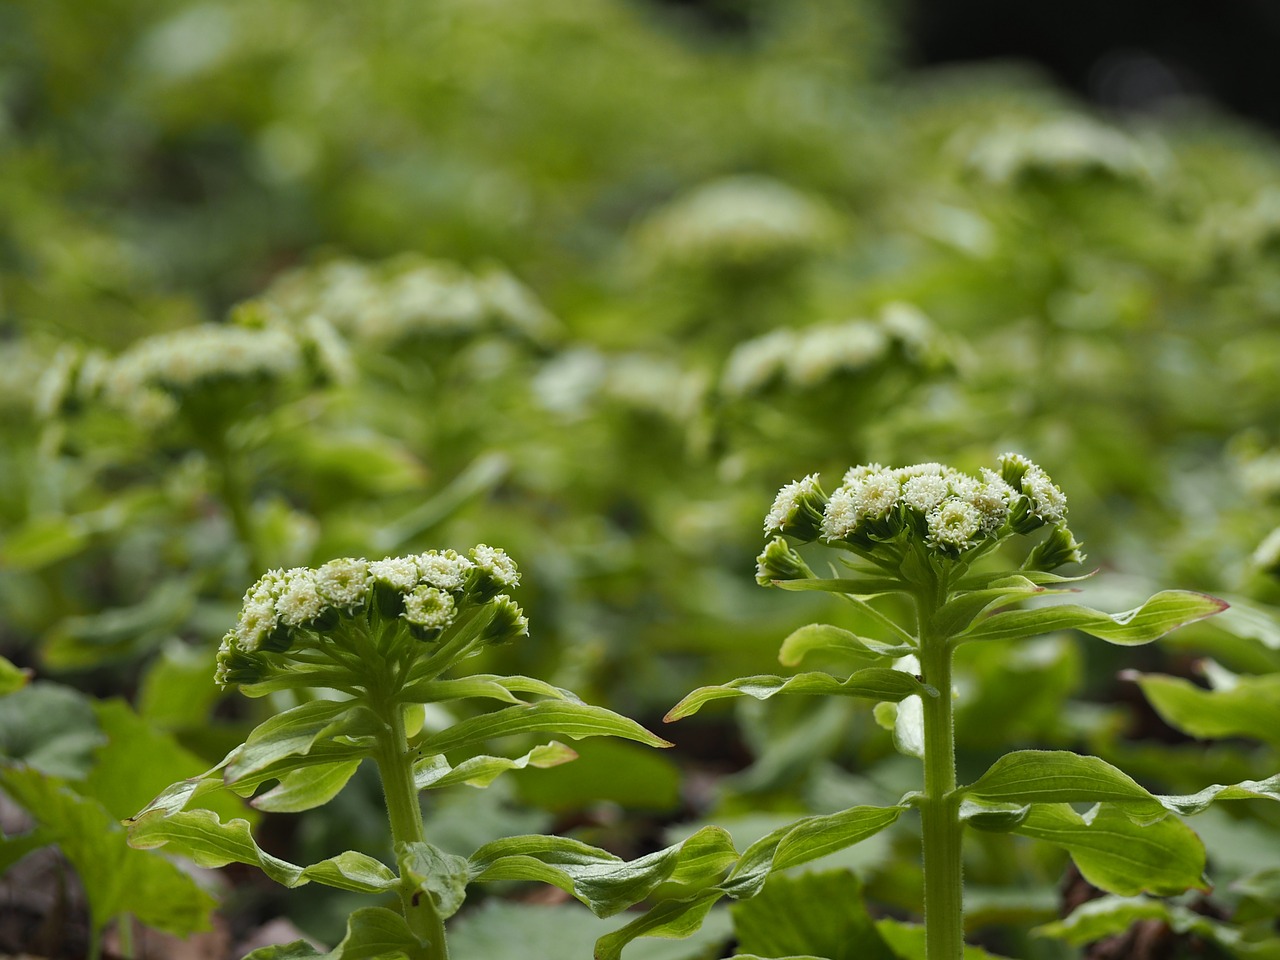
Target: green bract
<point>919,532</point>
<point>377,638</point>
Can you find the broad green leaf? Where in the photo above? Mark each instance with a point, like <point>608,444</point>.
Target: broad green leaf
<point>44,540</point>
<point>1117,855</point>
<point>434,771</point>
<point>12,678</point>
<point>672,919</point>
<point>505,930</point>
<point>1250,709</point>
<point>993,817</point>
<point>482,685</point>
<point>907,941</point>
<point>373,933</point>
<point>49,727</point>
<point>569,719</point>
<point>812,914</point>
<point>1040,578</point>
<point>1111,915</point>
<point>1165,611</point>
<point>293,733</point>
<point>604,882</point>
<point>116,878</point>
<point>14,847</point>
<point>441,876</point>
<point>806,839</point>
<point>607,770</point>
<point>958,613</point>
<point>872,683</point>
<point>305,788</point>
<point>177,688</point>
<point>1058,776</point>
<point>832,639</point>
<point>200,835</point>
<point>83,641</point>
<point>1194,803</point>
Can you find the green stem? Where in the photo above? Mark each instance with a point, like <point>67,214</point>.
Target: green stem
<point>124,930</point>
<point>939,810</point>
<point>395,767</point>
<point>234,494</point>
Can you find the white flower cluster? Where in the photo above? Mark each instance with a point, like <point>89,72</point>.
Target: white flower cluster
<point>427,589</point>
<point>954,511</point>
<point>148,379</point>
<point>742,220</point>
<point>577,379</point>
<point>410,298</point>
<point>1066,148</point>
<point>810,356</point>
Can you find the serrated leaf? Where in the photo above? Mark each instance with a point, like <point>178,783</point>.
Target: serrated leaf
<point>306,788</point>
<point>1058,776</point>
<point>872,683</point>
<point>1117,855</point>
<point>573,720</point>
<point>831,639</point>
<point>1163,612</point>
<point>813,914</point>
<point>116,878</point>
<point>200,835</point>
<point>434,771</point>
<point>1249,709</point>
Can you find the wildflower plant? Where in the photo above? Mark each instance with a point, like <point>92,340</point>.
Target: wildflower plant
<point>377,638</point>
<point>933,538</point>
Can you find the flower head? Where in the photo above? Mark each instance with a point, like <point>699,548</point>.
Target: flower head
<point>798,509</point>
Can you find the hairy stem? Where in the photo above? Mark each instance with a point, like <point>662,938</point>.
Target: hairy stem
<point>395,767</point>
<point>939,811</point>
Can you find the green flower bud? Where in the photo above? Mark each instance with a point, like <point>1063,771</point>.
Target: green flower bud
<point>507,624</point>
<point>492,572</point>
<point>1056,550</point>
<point>428,611</point>
<point>798,510</point>
<point>779,561</point>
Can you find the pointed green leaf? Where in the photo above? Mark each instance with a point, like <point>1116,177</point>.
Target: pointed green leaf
<point>812,914</point>
<point>604,882</point>
<point>569,719</point>
<point>1251,708</point>
<point>306,788</point>
<point>434,771</point>
<point>200,835</point>
<point>1058,776</point>
<point>1114,853</point>
<point>1166,611</point>
<point>672,919</point>
<point>806,839</point>
<point>864,587</point>
<point>958,613</point>
<point>116,878</point>
<point>872,683</point>
<point>294,733</point>
<point>831,639</point>
<point>1040,578</point>
<point>12,678</point>
<point>482,685</point>
<point>1194,803</point>
<point>373,933</point>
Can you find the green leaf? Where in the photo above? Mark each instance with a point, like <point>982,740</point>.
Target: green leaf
<point>1251,708</point>
<point>610,771</point>
<point>12,678</point>
<point>200,835</point>
<point>813,914</point>
<point>1117,855</point>
<point>49,727</point>
<point>434,771</point>
<point>672,919</point>
<point>1058,776</point>
<point>84,641</point>
<point>373,933</point>
<point>293,733</point>
<point>828,638</point>
<point>1165,611</point>
<point>604,882</point>
<point>958,613</point>
<point>573,720</point>
<point>44,540</point>
<point>1111,916</point>
<point>306,788</point>
<point>872,683</point>
<point>116,878</point>
<point>864,587</point>
<point>441,876</point>
<point>806,839</point>
<point>1194,803</point>
<point>177,688</point>
<point>482,685</point>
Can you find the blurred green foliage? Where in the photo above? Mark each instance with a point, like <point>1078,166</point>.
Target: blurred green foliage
<point>590,279</point>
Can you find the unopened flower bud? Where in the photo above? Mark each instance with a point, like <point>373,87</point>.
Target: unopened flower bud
<point>798,510</point>
<point>508,622</point>
<point>493,572</point>
<point>779,561</point>
<point>1056,550</point>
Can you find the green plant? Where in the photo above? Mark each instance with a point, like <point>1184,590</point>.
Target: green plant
<point>376,639</point>
<point>923,542</point>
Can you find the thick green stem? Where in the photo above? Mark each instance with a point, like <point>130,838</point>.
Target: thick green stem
<point>939,811</point>
<point>395,766</point>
